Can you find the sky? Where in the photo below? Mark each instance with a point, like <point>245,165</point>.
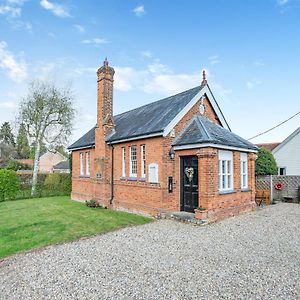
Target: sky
<point>250,50</point>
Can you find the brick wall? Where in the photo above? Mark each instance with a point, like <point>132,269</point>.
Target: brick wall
<point>141,196</point>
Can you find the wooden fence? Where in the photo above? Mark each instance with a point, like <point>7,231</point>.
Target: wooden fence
<point>290,187</point>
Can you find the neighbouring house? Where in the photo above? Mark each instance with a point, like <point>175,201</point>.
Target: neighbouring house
<point>268,146</point>
<point>48,160</point>
<point>175,154</point>
<point>287,153</point>
<point>62,167</point>
<point>26,161</point>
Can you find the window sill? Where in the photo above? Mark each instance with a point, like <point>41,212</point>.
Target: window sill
<point>123,178</point>
<point>245,190</point>
<point>132,178</point>
<point>142,179</point>
<point>227,192</point>
<point>85,176</point>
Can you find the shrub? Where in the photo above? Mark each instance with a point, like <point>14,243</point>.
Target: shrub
<point>9,184</point>
<point>52,181</point>
<point>265,163</point>
<point>92,203</point>
<point>15,165</point>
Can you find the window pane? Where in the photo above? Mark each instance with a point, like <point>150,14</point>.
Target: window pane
<point>229,166</point>
<point>223,166</point>
<point>133,162</point>
<point>229,182</point>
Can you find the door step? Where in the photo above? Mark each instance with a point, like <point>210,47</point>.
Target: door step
<point>185,217</point>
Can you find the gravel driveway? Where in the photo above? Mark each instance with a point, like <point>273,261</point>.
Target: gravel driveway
<point>253,256</point>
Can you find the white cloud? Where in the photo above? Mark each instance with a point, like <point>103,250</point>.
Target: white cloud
<point>127,78</point>
<point>158,68</point>
<point>259,63</point>
<point>8,105</point>
<point>96,41</point>
<point>155,78</point>
<point>146,54</point>
<point>16,2</point>
<point>252,83</point>
<point>79,28</point>
<point>12,8</point>
<point>249,85</point>
<point>16,71</point>
<point>55,8</point>
<point>84,70</point>
<point>282,2</point>
<point>139,10</point>
<point>214,59</point>
<point>171,83</point>
<point>10,11</point>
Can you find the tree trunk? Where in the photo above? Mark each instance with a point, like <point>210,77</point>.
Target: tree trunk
<point>36,167</point>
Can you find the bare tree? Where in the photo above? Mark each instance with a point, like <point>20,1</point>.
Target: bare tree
<point>47,114</point>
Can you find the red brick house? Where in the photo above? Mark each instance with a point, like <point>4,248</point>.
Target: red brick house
<point>174,154</point>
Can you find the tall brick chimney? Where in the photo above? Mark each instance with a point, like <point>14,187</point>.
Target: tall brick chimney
<point>105,125</point>
<point>105,76</point>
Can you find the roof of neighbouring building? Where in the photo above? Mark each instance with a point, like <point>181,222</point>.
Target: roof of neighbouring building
<point>287,140</point>
<point>63,165</point>
<point>268,146</point>
<point>201,130</point>
<point>148,119</point>
<point>26,161</point>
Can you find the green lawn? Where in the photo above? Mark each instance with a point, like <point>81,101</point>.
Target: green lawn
<point>33,223</point>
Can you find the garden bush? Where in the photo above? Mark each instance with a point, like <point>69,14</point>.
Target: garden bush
<point>265,163</point>
<point>15,165</point>
<point>9,184</point>
<point>53,184</point>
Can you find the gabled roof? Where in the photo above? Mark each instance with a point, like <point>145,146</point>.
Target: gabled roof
<point>63,165</point>
<point>201,130</point>
<point>156,118</point>
<point>151,118</point>
<point>268,146</point>
<point>290,137</point>
<point>86,141</point>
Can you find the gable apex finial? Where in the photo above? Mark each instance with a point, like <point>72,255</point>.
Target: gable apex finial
<point>105,63</point>
<point>204,81</point>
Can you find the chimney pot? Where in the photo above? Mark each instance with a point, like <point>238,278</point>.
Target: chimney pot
<point>204,81</point>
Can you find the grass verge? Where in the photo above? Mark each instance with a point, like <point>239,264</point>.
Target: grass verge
<point>33,223</point>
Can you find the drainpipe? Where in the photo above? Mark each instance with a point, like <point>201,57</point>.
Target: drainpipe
<point>112,175</point>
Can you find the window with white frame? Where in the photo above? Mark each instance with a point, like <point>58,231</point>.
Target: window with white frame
<point>133,161</point>
<point>87,163</point>
<point>225,171</point>
<point>123,162</point>
<point>244,171</point>
<point>81,164</point>
<point>282,171</point>
<point>143,161</point>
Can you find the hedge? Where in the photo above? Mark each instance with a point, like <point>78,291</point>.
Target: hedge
<point>9,184</point>
<point>53,184</point>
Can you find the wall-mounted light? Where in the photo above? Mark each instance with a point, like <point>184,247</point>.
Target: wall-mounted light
<point>172,153</point>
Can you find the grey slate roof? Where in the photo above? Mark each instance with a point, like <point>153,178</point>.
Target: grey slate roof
<point>151,118</point>
<point>148,119</point>
<point>201,130</point>
<point>63,165</point>
<point>86,141</point>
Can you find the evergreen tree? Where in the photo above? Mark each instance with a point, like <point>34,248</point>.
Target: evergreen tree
<point>265,163</point>
<point>22,147</point>
<point>6,135</point>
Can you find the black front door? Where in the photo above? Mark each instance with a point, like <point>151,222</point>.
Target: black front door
<point>189,183</point>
